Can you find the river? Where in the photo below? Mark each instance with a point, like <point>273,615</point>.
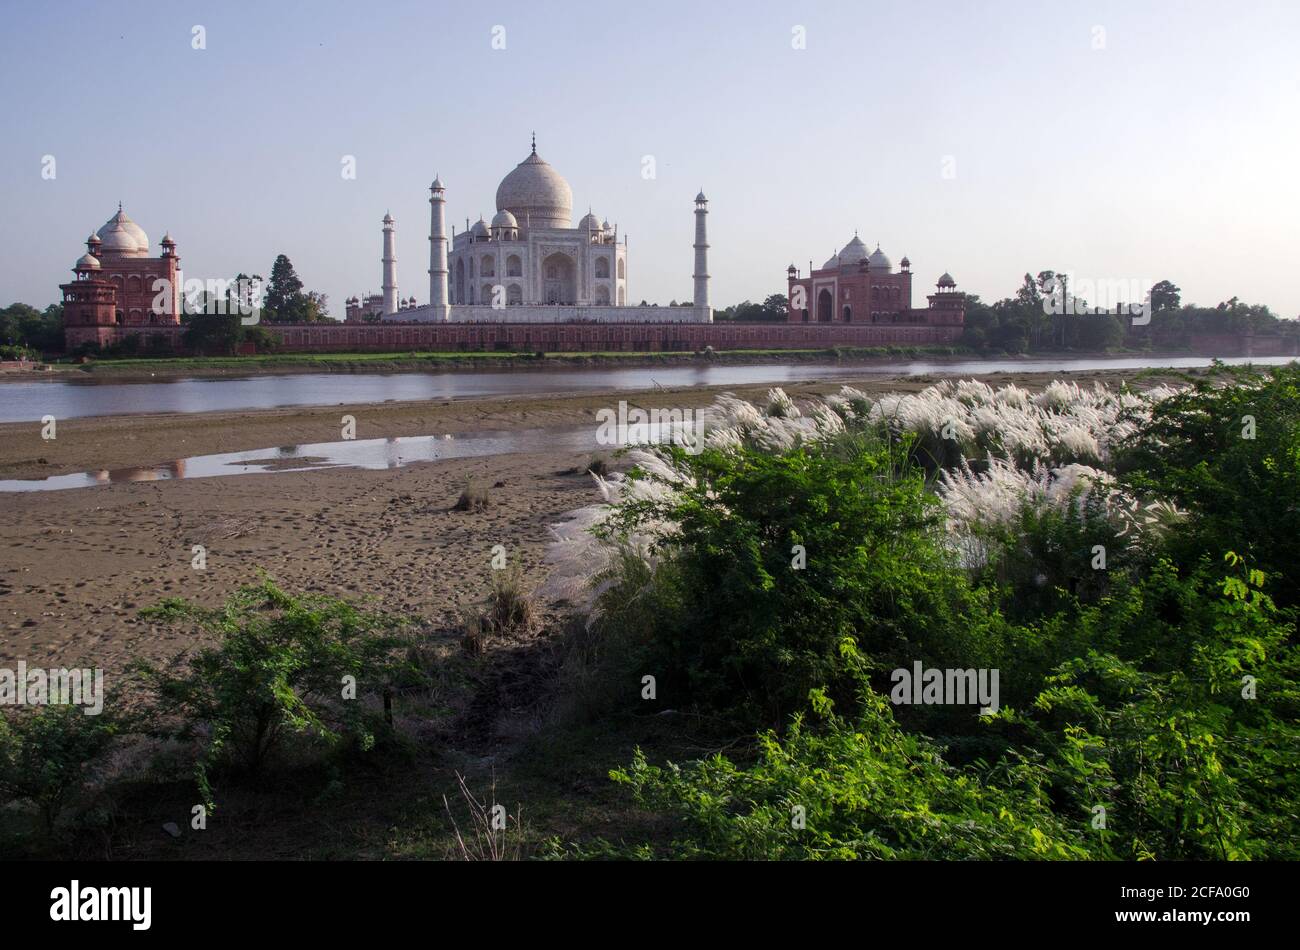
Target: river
<point>30,400</point>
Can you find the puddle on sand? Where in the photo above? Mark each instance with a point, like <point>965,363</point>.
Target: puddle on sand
<point>362,453</point>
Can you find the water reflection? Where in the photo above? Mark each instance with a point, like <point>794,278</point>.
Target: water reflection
<point>375,454</point>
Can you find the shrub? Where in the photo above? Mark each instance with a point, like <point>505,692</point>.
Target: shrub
<point>278,670</point>
<point>850,788</point>
<point>1228,448</point>
<point>1148,714</point>
<point>474,497</point>
<point>774,559</point>
<point>510,609</point>
<point>45,755</point>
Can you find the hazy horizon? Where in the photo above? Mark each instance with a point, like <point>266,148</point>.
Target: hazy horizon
<point>1163,154</point>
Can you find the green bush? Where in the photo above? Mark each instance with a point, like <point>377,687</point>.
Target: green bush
<point>741,627</point>
<point>851,788</point>
<point>45,755</point>
<point>1152,716</point>
<point>278,670</point>
<point>1150,710</point>
<point>1228,449</point>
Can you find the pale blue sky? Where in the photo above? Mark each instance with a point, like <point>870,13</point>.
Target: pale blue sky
<point>1172,152</point>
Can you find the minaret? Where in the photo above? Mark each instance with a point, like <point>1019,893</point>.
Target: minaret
<point>702,259</point>
<point>390,268</point>
<point>438,250</point>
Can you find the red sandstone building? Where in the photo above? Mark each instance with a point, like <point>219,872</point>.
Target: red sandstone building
<point>860,287</point>
<point>117,287</point>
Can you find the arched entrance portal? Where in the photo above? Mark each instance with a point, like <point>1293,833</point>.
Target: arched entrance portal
<point>558,284</point>
<point>825,306</point>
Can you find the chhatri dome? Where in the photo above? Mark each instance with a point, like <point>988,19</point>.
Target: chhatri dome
<point>536,194</point>
<point>121,235</point>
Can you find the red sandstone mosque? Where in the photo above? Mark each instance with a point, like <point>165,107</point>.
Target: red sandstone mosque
<point>860,287</point>
<point>115,290</point>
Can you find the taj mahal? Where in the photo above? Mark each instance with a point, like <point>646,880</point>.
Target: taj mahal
<point>529,264</point>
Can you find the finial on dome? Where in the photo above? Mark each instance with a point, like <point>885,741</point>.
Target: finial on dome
<point>534,142</point>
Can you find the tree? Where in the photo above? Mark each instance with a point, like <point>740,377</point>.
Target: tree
<point>282,289</point>
<point>24,325</point>
<point>1165,296</point>
<point>212,333</point>
<point>777,307</point>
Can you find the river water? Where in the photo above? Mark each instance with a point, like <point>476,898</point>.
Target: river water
<point>29,401</point>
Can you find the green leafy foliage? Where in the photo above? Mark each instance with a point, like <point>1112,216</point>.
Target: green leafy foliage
<point>1228,449</point>
<point>45,755</point>
<point>743,626</point>
<point>1150,707</point>
<point>281,668</point>
<point>860,788</point>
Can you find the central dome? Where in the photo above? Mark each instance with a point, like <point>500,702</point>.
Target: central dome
<point>123,236</point>
<point>536,194</point>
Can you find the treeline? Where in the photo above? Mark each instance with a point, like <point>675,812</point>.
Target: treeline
<point>1024,323</point>
<point>771,310</point>
<point>216,326</point>
<point>26,331</point>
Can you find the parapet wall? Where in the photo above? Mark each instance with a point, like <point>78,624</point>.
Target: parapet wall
<point>392,336</point>
<point>596,337</point>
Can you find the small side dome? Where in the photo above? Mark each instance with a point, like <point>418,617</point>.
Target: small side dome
<point>605,225</point>
<point>589,222</point>
<point>167,240</point>
<point>86,262</point>
<point>437,184</point>
<point>504,219</point>
<point>388,218</point>
<point>833,262</point>
<point>700,196</point>
<point>905,263</point>
<point>480,228</point>
<point>946,280</point>
<point>879,262</point>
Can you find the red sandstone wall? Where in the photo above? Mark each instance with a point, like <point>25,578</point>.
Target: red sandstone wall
<point>530,337</point>
<point>561,337</point>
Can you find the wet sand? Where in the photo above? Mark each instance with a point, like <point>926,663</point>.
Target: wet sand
<point>76,566</point>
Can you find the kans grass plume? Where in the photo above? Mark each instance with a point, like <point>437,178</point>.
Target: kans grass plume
<point>1014,449</point>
